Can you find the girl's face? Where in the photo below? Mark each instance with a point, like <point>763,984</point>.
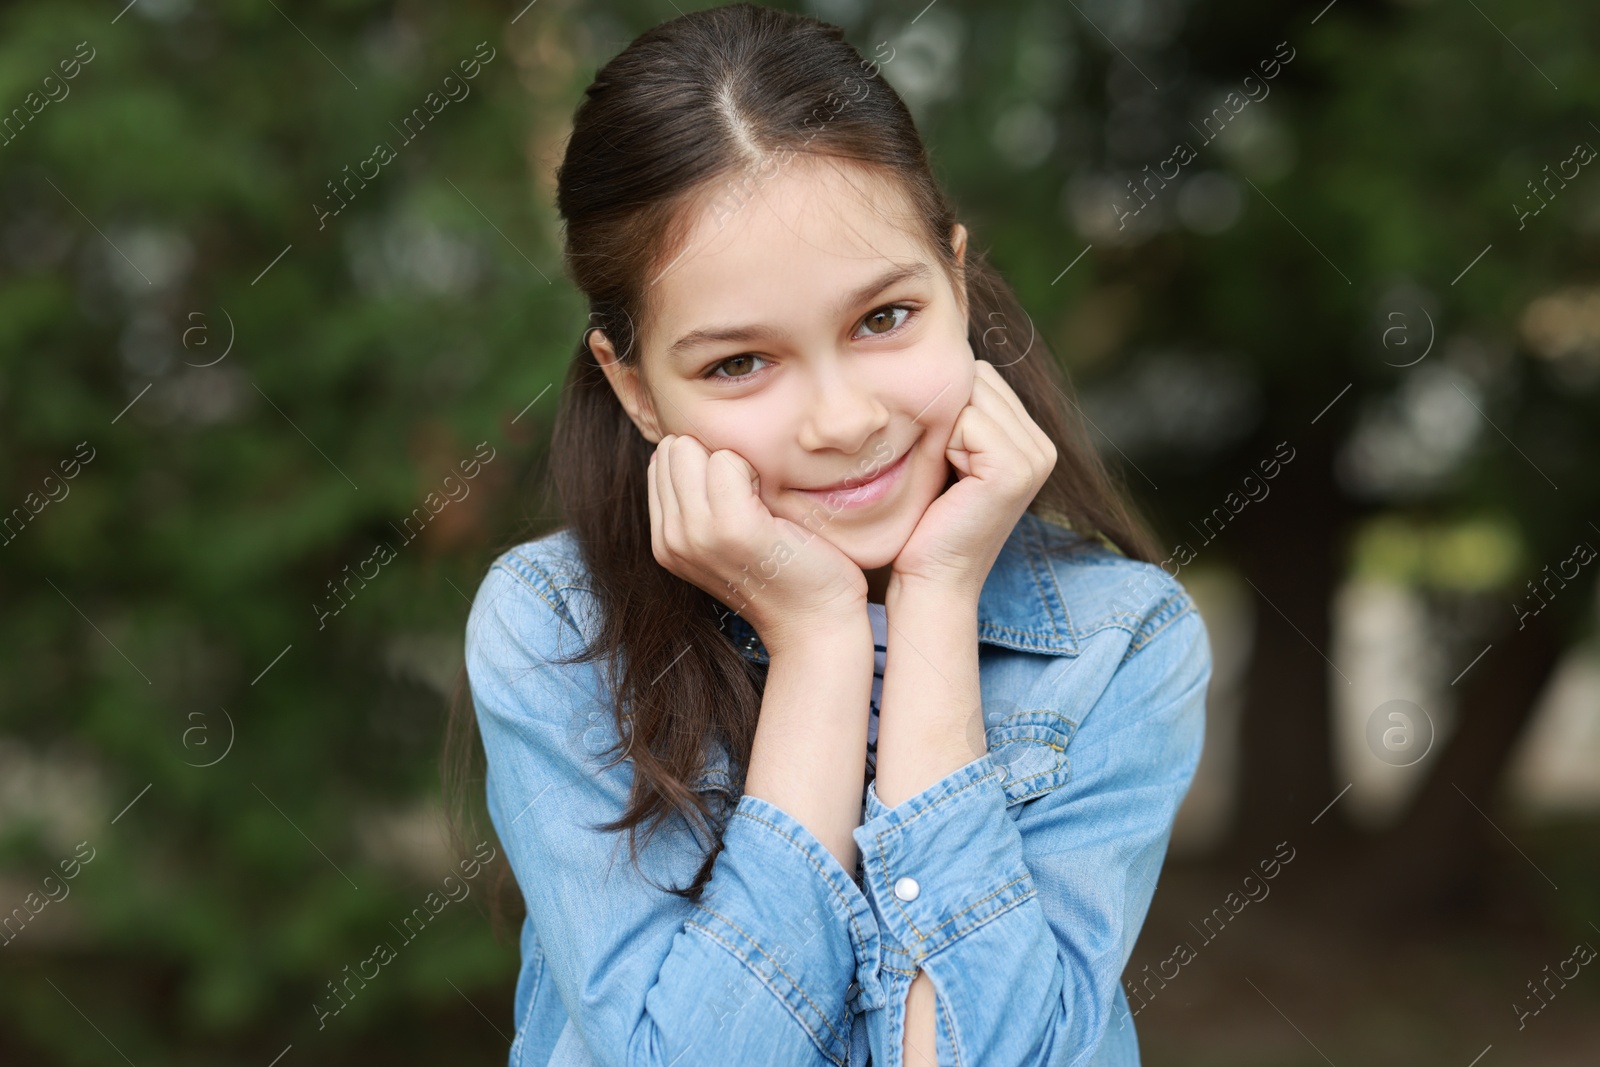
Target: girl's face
<point>815,336</point>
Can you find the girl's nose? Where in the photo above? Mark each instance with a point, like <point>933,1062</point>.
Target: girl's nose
<point>844,414</point>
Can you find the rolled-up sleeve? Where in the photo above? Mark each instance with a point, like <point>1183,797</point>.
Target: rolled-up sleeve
<point>766,968</point>
<point>1024,919</point>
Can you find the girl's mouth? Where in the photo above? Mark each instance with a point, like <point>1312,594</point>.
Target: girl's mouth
<point>865,493</point>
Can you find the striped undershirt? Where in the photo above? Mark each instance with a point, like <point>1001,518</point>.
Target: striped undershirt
<point>877,614</point>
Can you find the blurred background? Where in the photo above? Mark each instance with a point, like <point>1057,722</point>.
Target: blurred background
<point>1296,260</point>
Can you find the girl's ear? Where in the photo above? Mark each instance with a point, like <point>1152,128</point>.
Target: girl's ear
<point>626,385</point>
<point>958,244</point>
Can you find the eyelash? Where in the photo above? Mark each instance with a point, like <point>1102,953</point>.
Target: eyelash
<point>911,310</point>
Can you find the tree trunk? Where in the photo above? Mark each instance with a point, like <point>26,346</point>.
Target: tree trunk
<point>1290,551</point>
<point>1433,861</point>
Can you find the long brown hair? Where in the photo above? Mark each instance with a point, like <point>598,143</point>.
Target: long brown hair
<point>689,116</point>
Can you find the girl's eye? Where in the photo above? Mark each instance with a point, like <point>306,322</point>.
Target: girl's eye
<point>875,317</point>
<point>731,361</point>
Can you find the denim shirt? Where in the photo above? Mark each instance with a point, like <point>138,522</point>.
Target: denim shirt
<point>1018,882</point>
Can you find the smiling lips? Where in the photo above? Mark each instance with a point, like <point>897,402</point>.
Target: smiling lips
<point>864,493</point>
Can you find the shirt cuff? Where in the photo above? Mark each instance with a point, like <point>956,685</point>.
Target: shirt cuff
<point>944,861</point>
<point>782,906</point>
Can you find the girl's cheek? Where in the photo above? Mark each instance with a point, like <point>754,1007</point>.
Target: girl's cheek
<point>953,387</point>
<point>966,373</point>
<point>958,367</point>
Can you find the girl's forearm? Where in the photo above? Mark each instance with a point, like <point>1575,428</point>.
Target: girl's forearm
<point>930,722</point>
<point>810,747</point>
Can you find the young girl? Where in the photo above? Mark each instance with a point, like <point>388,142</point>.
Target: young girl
<point>847,627</point>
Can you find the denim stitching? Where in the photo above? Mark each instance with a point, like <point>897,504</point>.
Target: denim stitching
<point>815,1037</point>
<point>1141,640</point>
<point>850,914</point>
<point>921,937</point>
<point>936,801</point>
<point>526,580</point>
<point>887,867</point>
<point>1176,602</point>
<point>1000,729</point>
<point>1053,782</point>
<point>557,575</point>
<point>527,1016</point>
<point>1020,633</point>
<point>1033,741</point>
<point>1034,711</point>
<point>956,935</point>
<point>1034,558</point>
<point>796,985</point>
<point>560,567</point>
<point>1123,620</point>
<point>1132,621</point>
<point>950,1028</point>
<point>1048,787</point>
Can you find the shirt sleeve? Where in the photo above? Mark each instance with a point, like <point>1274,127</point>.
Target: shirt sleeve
<point>764,969</point>
<point>1025,920</point>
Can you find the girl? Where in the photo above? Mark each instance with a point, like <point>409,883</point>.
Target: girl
<point>847,627</point>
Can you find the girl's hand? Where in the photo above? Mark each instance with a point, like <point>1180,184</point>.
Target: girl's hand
<point>709,526</point>
<point>1001,458</point>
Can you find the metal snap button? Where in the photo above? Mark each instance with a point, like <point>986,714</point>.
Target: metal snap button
<point>907,889</point>
<point>1001,771</point>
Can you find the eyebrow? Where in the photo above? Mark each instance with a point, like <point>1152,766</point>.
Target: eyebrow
<point>757,332</point>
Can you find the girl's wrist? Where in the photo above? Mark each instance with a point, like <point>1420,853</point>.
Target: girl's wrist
<point>823,637</point>
<point>930,593</point>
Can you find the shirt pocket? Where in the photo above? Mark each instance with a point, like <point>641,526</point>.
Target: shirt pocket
<point>1030,747</point>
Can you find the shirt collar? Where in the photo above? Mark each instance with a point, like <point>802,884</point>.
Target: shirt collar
<point>1019,607</point>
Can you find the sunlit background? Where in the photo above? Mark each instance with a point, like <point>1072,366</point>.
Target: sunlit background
<point>1327,279</point>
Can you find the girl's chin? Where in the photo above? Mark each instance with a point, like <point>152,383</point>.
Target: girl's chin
<point>876,545</point>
